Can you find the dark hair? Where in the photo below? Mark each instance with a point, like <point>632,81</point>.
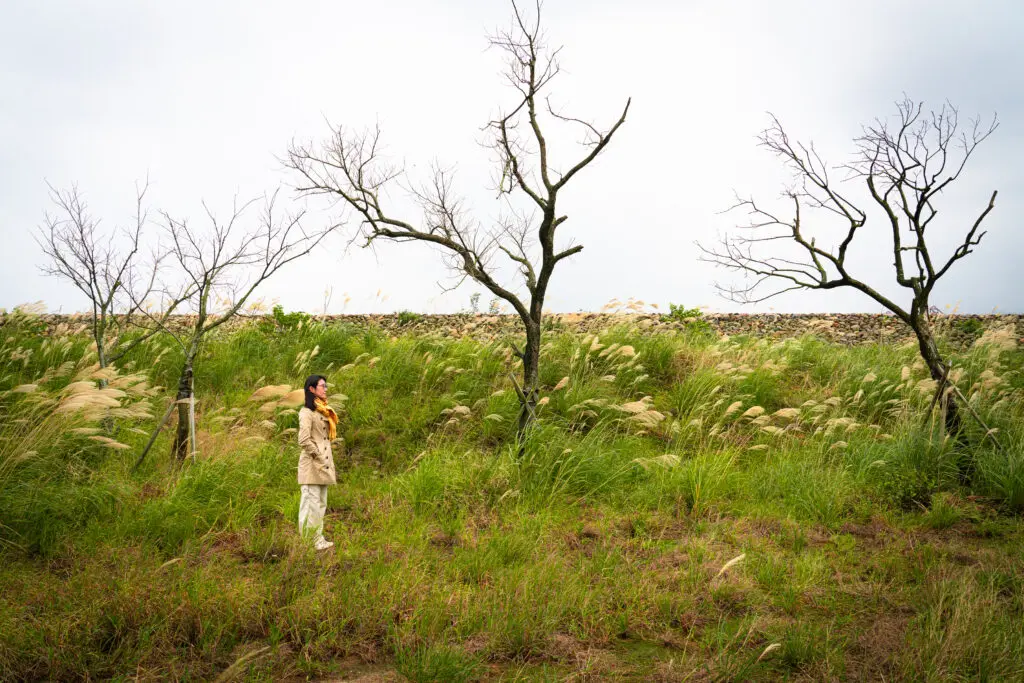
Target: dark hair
<point>311,381</point>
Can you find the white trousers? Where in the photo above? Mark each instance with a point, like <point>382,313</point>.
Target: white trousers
<point>312,506</point>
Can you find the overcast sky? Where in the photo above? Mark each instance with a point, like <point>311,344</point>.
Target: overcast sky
<point>204,97</point>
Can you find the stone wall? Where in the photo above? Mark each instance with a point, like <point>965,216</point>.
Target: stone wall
<point>844,328</point>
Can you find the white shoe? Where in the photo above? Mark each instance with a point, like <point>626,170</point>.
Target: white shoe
<point>323,544</point>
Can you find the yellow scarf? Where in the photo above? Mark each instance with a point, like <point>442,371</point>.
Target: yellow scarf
<point>332,417</point>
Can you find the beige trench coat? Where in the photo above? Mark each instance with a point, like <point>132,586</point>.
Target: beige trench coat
<point>316,462</point>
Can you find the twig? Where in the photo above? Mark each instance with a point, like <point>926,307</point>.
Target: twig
<point>519,390</point>
<point>988,431</point>
<point>938,393</point>
<point>156,433</point>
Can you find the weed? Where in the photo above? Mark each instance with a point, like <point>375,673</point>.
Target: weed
<point>408,318</point>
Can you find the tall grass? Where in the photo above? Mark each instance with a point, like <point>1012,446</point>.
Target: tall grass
<point>57,409</point>
<point>657,461</point>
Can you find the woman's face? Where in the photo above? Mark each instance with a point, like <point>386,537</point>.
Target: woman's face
<point>320,390</point>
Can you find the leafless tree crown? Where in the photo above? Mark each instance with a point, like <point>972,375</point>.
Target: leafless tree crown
<point>220,266</point>
<point>110,270</point>
<point>350,167</point>
<point>219,269</point>
<point>906,163</point>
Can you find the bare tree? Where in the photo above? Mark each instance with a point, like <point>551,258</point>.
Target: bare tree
<point>116,278</point>
<point>905,165</point>
<point>349,167</point>
<point>221,268</point>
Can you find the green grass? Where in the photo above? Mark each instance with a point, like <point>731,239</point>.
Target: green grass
<point>685,508</point>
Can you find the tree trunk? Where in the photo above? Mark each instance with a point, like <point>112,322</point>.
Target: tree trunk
<point>101,358</point>
<point>938,370</point>
<point>181,436</point>
<point>531,381</point>
<point>101,355</point>
<point>153,436</point>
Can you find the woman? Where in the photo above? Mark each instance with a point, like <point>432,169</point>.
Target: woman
<point>318,427</point>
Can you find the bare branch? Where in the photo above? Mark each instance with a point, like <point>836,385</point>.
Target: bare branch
<point>107,269</point>
<point>905,165</point>
<point>972,239</point>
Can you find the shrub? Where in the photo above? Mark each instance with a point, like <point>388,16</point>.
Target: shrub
<point>906,471</point>
<point>905,487</point>
<point>690,317</point>
<point>680,313</point>
<point>408,318</point>
<point>971,327</point>
<point>281,321</point>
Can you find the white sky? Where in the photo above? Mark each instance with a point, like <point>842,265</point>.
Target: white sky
<point>204,97</point>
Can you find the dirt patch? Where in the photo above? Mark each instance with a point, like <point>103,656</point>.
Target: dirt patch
<point>149,491</point>
<point>224,543</point>
<point>872,655</point>
<point>673,672</point>
<point>873,534</point>
<point>562,647</point>
<point>671,529</point>
<point>818,536</point>
<point>630,528</point>
<point>594,664</point>
<point>761,528</point>
<point>477,644</point>
<point>588,662</point>
<point>62,567</point>
<point>584,540</point>
<point>730,600</point>
<point>688,624</point>
<point>670,560</point>
<point>443,539</point>
<point>366,673</point>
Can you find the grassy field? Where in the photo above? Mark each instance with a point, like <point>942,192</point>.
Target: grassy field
<point>688,508</point>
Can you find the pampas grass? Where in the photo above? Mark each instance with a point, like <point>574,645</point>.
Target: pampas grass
<point>744,509</point>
